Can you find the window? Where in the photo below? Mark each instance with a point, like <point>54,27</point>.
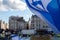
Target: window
<point>45,26</point>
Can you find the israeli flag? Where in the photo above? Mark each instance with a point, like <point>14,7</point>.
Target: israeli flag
<point>48,11</point>
<point>15,37</point>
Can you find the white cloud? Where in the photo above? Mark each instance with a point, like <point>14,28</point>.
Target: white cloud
<point>12,5</point>
<point>3,8</point>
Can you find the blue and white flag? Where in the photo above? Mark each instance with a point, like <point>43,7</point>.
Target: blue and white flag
<point>15,37</point>
<point>48,11</point>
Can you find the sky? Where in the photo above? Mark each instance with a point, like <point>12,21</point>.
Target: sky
<point>14,8</point>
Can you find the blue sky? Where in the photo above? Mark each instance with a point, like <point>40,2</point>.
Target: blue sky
<point>4,15</point>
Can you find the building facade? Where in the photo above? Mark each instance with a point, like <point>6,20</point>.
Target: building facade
<point>0,24</point>
<point>17,23</point>
<point>36,23</point>
<point>3,25</point>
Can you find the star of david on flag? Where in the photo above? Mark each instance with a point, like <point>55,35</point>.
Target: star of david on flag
<point>48,11</point>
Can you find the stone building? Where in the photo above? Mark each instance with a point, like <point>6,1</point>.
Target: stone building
<point>3,25</point>
<point>17,23</point>
<point>36,23</point>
